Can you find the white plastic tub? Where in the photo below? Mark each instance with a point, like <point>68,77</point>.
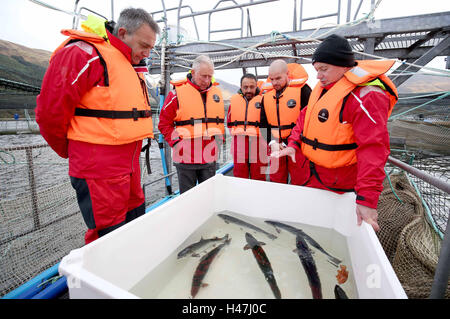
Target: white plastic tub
<point>110,266</point>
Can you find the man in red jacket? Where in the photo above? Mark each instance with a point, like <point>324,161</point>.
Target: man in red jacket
<point>191,119</point>
<point>344,127</point>
<point>93,109</point>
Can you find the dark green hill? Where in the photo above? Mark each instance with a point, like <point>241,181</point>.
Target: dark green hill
<point>21,64</point>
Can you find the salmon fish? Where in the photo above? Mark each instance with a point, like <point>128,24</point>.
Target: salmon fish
<point>339,293</point>
<point>296,231</point>
<point>230,219</point>
<point>309,266</point>
<point>263,262</point>
<point>203,268</point>
<point>193,248</point>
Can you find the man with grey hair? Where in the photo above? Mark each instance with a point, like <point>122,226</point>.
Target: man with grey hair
<point>136,24</point>
<point>191,120</point>
<point>94,110</point>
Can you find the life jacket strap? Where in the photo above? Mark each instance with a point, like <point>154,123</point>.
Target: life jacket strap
<point>134,114</point>
<point>192,121</point>
<point>284,127</point>
<point>146,149</point>
<point>327,147</point>
<point>236,123</point>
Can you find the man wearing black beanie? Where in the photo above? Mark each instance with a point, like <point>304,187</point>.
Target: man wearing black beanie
<point>334,50</point>
<point>343,133</point>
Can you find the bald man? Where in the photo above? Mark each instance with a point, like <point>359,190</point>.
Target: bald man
<point>280,107</point>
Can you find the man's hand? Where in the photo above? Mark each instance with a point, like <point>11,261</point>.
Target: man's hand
<point>289,151</point>
<point>275,147</point>
<point>367,214</point>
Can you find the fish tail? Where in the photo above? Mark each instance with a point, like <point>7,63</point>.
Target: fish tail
<point>194,291</point>
<point>275,290</point>
<point>316,292</point>
<point>333,263</point>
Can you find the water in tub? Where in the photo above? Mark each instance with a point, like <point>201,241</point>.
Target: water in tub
<point>234,271</point>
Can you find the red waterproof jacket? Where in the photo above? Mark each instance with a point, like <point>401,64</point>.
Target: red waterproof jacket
<point>185,151</point>
<point>73,71</point>
<point>372,137</point>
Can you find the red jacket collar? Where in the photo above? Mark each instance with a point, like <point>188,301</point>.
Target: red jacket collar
<point>189,79</point>
<point>329,86</point>
<point>120,45</point>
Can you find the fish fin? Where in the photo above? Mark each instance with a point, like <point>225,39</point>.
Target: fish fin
<point>247,246</point>
<point>334,264</point>
<point>261,243</point>
<point>295,251</point>
<point>205,285</point>
<point>195,255</point>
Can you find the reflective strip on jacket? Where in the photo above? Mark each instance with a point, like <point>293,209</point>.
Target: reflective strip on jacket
<point>123,91</point>
<point>195,118</point>
<point>245,115</point>
<point>326,139</point>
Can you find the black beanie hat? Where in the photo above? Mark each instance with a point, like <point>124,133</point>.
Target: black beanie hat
<point>334,50</point>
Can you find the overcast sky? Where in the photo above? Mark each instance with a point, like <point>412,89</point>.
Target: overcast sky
<point>29,24</point>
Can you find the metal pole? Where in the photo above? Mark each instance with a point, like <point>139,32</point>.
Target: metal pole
<point>112,10</point>
<point>339,12</point>
<point>349,10</point>
<point>300,16</point>
<point>75,17</point>
<point>226,8</point>
<point>442,272</point>
<point>32,183</point>
<point>294,23</point>
<point>436,182</point>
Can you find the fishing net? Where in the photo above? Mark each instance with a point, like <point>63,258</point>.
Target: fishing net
<point>40,221</point>
<point>394,214</point>
<point>39,215</point>
<point>411,244</point>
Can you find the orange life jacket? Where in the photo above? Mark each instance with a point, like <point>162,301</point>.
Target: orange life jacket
<point>260,84</point>
<point>114,114</point>
<point>296,73</point>
<point>282,112</point>
<point>195,118</point>
<point>245,115</point>
<point>327,141</point>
